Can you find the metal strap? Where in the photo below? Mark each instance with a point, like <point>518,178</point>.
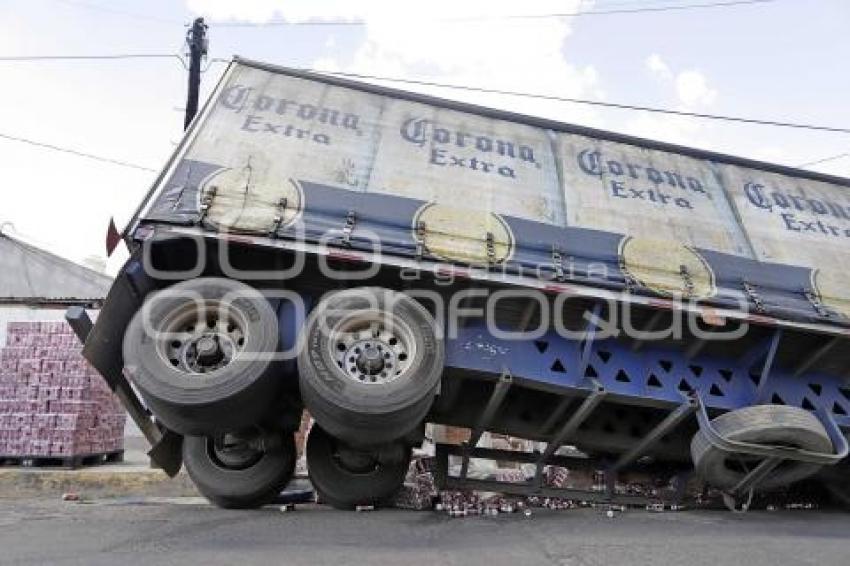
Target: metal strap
<point>278,219</point>
<point>753,295</point>
<point>816,303</point>
<point>722,443</point>
<point>689,281</point>
<point>206,203</point>
<point>558,263</point>
<point>490,241</point>
<point>630,282</point>
<point>421,229</point>
<point>350,222</point>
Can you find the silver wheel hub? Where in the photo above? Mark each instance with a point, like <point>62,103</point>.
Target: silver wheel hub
<point>202,341</point>
<point>368,349</point>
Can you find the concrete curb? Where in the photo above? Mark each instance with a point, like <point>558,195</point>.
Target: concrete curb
<point>17,483</point>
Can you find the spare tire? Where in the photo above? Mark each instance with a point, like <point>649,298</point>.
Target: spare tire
<point>199,353</point>
<point>778,425</point>
<point>370,362</point>
<point>245,474</point>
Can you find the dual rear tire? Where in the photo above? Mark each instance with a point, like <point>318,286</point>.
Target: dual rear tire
<point>201,353</point>
<point>240,472</point>
<point>370,365</point>
<point>346,477</point>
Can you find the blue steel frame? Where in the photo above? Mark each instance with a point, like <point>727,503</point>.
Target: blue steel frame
<point>652,376</point>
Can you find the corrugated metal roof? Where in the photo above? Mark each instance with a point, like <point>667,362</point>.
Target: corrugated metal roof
<point>32,275</point>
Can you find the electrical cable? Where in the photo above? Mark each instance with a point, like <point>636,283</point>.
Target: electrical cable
<point>613,105</point>
<point>615,11</point>
<point>76,152</point>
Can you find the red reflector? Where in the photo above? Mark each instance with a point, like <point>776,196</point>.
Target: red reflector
<point>113,237</point>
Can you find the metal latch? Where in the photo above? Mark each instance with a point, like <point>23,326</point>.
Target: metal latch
<point>420,229</point>
<point>490,242</point>
<point>753,295</point>
<point>628,280</point>
<point>278,219</point>
<point>816,303</point>
<point>558,263</point>
<point>206,203</point>
<point>688,280</point>
<point>350,222</point>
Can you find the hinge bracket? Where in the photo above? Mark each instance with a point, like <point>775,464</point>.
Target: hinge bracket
<point>206,203</point>
<point>754,296</point>
<point>350,222</point>
<point>278,219</point>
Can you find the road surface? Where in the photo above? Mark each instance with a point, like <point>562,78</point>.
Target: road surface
<point>187,531</point>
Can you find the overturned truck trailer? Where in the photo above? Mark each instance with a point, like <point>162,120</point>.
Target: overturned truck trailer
<point>387,259</point>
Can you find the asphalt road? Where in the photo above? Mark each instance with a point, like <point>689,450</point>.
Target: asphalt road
<point>189,532</point>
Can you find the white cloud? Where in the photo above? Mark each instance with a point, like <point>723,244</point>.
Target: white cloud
<point>690,91</point>
<point>658,67</point>
<point>690,86</point>
<point>693,90</point>
<point>447,41</point>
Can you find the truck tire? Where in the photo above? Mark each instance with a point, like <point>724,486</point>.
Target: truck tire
<point>370,362</point>
<point>779,425</point>
<point>240,476</point>
<point>188,353</point>
<point>345,478</point>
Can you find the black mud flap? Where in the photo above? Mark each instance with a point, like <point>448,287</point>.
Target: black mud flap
<point>168,453</point>
<point>102,349</point>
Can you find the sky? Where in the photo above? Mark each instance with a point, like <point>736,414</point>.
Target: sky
<point>784,60</point>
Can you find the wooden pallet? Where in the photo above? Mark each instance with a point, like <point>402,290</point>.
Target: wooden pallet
<point>63,462</point>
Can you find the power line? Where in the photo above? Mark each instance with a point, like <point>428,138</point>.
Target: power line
<point>91,57</point>
<point>616,11</point>
<point>591,102</point>
<point>77,153</point>
<point>599,103</point>
<point>824,160</point>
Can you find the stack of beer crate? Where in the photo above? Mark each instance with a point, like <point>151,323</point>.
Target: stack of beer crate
<point>54,408</point>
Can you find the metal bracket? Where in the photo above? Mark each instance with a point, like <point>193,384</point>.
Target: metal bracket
<point>206,203</point>
<point>666,425</point>
<point>446,481</point>
<point>773,455</point>
<point>569,429</point>
<point>839,441</point>
<point>688,280</point>
<point>558,263</point>
<point>496,398</point>
<point>630,284</point>
<point>753,296</point>
<point>420,230</point>
<point>278,219</point>
<point>350,222</point>
<point>766,368</point>
<point>816,303</point>
<point>490,243</point>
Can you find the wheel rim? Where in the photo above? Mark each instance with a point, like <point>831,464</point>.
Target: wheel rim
<point>233,452</point>
<point>355,461</point>
<point>373,347</point>
<point>200,338</point>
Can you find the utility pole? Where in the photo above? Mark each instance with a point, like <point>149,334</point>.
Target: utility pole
<point>196,39</point>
